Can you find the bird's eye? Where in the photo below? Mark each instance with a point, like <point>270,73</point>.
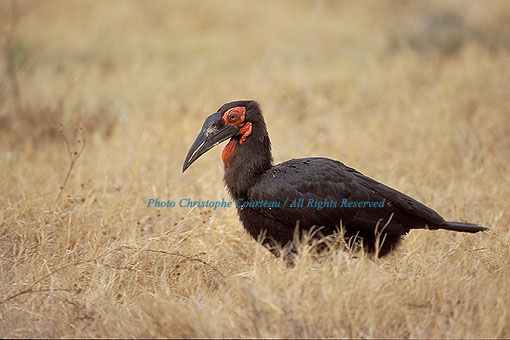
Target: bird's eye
<point>233,117</point>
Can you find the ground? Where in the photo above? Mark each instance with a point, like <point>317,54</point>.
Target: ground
<point>413,94</point>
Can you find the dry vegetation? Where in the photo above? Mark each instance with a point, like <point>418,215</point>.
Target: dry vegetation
<point>414,94</point>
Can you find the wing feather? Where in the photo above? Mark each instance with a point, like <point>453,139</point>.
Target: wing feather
<point>322,180</point>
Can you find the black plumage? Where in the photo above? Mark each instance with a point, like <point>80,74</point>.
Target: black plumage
<point>251,177</point>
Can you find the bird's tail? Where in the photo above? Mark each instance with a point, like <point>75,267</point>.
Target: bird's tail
<point>464,227</point>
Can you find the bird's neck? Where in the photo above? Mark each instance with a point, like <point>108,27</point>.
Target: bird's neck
<point>246,163</point>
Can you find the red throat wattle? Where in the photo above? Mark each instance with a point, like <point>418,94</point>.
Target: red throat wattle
<point>230,149</point>
<point>228,152</point>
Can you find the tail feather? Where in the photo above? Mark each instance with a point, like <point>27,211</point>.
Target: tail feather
<point>464,227</point>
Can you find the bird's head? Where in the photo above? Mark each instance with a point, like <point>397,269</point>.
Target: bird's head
<point>235,120</point>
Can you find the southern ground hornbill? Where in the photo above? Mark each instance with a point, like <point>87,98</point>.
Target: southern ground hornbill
<point>361,207</point>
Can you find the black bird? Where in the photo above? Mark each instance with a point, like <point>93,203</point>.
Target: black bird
<point>251,177</point>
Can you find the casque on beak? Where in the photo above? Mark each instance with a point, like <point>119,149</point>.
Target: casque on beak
<point>213,132</point>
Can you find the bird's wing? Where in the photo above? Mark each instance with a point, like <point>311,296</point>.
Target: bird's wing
<point>412,212</point>
<point>319,181</point>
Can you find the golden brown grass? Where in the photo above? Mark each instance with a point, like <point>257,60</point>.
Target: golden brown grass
<point>365,83</point>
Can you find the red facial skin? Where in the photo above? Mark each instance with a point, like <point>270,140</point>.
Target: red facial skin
<point>239,112</point>
<point>235,116</point>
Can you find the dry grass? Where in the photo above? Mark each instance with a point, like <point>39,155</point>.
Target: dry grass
<point>367,83</point>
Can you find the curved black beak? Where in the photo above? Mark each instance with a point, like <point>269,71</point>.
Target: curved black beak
<point>213,133</point>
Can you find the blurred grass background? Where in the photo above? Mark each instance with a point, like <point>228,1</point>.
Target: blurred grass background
<point>414,94</point>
